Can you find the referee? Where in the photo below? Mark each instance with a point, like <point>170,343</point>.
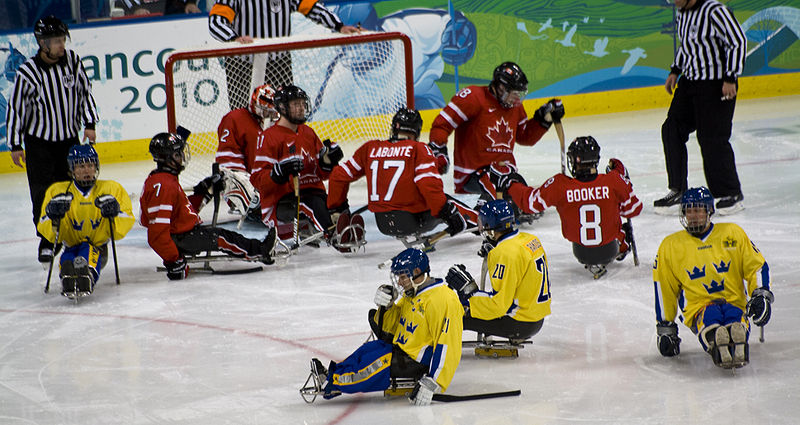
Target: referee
<point>244,20</point>
<point>51,96</point>
<point>708,62</point>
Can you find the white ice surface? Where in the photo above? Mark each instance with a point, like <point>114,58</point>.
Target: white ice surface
<point>235,349</point>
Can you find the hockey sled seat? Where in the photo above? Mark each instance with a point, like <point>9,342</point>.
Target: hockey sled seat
<point>349,234</point>
<point>599,255</point>
<point>402,223</point>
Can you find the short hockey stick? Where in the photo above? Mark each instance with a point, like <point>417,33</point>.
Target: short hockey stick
<point>449,398</point>
<point>761,334</point>
<point>114,248</point>
<point>214,171</point>
<point>53,259</point>
<point>560,133</point>
<point>633,245</point>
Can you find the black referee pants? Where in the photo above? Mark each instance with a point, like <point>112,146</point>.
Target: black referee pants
<point>45,164</point>
<point>697,106</point>
<point>239,72</point>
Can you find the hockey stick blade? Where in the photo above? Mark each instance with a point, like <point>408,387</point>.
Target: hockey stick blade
<point>449,398</point>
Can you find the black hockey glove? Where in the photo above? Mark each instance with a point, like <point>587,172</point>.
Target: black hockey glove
<point>442,158</point>
<point>342,208</point>
<point>209,185</point>
<point>486,246</point>
<point>108,205</point>
<point>330,155</point>
<point>58,206</point>
<point>668,342</point>
<point>759,308</point>
<point>462,282</point>
<point>550,112</point>
<point>285,168</point>
<point>502,182</point>
<point>454,220</point>
<point>626,228</point>
<point>177,270</point>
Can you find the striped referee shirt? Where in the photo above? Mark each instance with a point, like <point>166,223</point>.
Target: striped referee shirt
<point>230,19</point>
<point>50,101</point>
<point>712,43</point>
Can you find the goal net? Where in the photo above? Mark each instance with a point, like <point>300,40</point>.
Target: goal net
<point>355,84</point>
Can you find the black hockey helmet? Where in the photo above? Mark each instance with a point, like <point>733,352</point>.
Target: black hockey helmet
<point>286,94</point>
<point>583,155</point>
<point>170,150</point>
<point>49,27</point>
<point>406,119</point>
<point>508,77</point>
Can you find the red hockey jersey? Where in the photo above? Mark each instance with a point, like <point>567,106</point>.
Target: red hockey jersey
<point>401,175</point>
<point>279,143</point>
<point>485,131</point>
<point>238,134</point>
<point>165,210</point>
<point>590,211</point>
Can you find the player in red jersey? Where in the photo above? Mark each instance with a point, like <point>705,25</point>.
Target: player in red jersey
<point>488,122</point>
<point>290,150</point>
<point>173,226</point>
<point>405,190</point>
<point>239,133</point>
<point>590,204</point>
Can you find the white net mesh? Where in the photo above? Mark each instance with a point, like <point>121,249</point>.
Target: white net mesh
<point>355,85</point>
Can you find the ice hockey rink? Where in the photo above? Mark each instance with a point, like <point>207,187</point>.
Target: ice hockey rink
<point>236,349</point>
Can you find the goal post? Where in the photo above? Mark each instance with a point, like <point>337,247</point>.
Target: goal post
<point>355,84</point>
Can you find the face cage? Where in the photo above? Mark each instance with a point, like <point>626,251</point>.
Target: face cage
<point>395,278</point>
<point>503,95</point>
<point>265,111</point>
<point>695,228</point>
<point>91,181</point>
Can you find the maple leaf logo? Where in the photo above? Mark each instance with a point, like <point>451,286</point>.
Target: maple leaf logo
<point>310,161</point>
<point>501,134</point>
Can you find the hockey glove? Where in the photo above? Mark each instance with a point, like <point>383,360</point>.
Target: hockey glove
<point>330,155</point>
<point>617,165</point>
<point>423,391</point>
<point>385,295</point>
<point>626,228</point>
<point>58,206</point>
<point>209,185</point>
<point>486,246</point>
<point>285,168</point>
<point>177,270</point>
<point>550,112</point>
<point>759,308</point>
<point>108,205</point>
<point>502,181</point>
<point>668,342</point>
<point>454,220</point>
<point>462,282</point>
<point>442,158</point>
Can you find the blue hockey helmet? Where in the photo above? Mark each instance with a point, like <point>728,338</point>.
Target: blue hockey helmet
<point>696,197</point>
<point>83,154</point>
<point>496,215</point>
<point>409,260</point>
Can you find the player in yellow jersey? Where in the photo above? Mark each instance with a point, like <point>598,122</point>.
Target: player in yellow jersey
<point>418,337</point>
<point>78,213</point>
<point>709,271</point>
<point>519,298</point>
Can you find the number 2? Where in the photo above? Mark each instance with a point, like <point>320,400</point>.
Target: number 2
<point>544,292</point>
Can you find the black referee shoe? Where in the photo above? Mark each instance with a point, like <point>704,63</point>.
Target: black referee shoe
<point>672,198</point>
<point>730,204</point>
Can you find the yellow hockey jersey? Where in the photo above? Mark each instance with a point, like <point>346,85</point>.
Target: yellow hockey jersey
<point>691,273</point>
<point>428,327</point>
<point>83,221</point>
<point>520,281</point>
